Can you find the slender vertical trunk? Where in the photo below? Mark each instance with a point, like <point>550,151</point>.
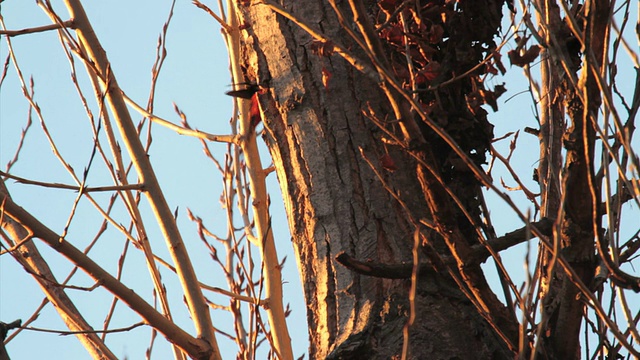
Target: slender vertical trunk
<point>580,192</point>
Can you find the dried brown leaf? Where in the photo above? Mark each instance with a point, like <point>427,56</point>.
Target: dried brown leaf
<point>520,59</point>
<point>387,163</point>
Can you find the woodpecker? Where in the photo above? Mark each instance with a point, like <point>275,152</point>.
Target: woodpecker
<point>250,93</point>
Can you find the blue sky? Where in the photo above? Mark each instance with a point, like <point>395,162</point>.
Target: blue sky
<point>195,77</point>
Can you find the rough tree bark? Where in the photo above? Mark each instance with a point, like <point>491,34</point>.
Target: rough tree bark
<point>580,212</point>
<point>317,115</point>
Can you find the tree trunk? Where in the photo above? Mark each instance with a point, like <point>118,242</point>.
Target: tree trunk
<point>580,193</point>
<point>317,117</point>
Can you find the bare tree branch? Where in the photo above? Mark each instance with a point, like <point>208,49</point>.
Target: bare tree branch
<point>194,347</point>
<point>479,254</point>
<point>68,24</point>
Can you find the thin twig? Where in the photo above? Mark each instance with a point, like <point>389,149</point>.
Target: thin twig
<point>22,180</point>
<point>220,21</point>
<point>66,24</point>
<point>179,129</point>
<point>64,332</point>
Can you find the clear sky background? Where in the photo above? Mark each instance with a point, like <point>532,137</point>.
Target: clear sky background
<point>195,77</point>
